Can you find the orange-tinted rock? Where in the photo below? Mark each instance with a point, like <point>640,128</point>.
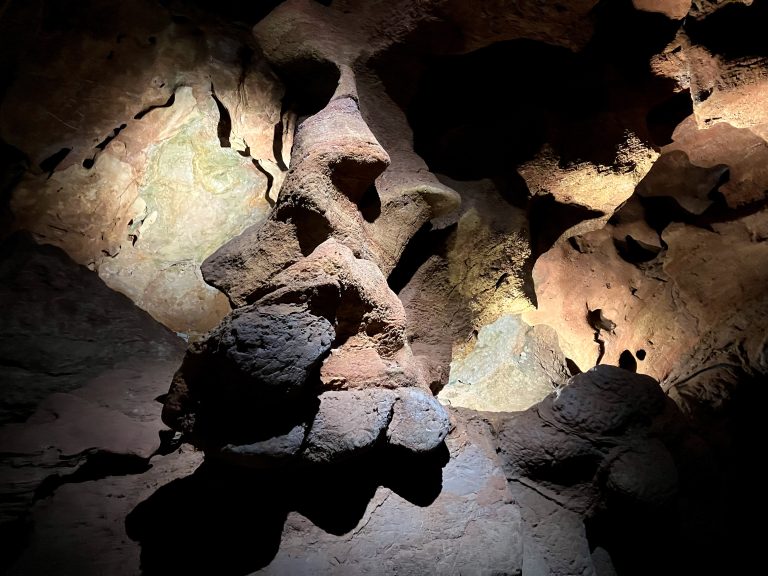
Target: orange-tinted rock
<point>674,176</point>
<point>675,9</point>
<point>740,149</point>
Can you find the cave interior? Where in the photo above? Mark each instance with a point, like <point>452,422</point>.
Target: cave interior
<point>382,286</point>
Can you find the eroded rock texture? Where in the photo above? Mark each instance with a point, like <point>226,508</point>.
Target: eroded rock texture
<point>149,136</point>
<point>471,288</point>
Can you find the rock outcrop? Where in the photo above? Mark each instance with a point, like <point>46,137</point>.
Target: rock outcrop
<point>149,135</point>
<point>466,288</point>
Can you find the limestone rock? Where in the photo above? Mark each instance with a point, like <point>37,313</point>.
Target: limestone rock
<point>262,353</point>
<point>675,9</point>
<point>371,348</point>
<point>476,279</point>
<point>511,367</point>
<point>569,27</point>
<point>143,175</point>
<point>347,423</point>
<point>594,187</point>
<point>607,446</point>
<point>356,364</point>
<point>318,200</point>
<point>742,150</point>
<point>350,290</point>
<point>644,474</point>
<point>673,176</point>
<point>709,267</point>
<point>63,416</point>
<point>591,275</point>
<point>472,505</point>
<point>276,346</point>
<point>419,423</point>
<point>258,252</point>
<point>606,400</point>
<point>266,453</point>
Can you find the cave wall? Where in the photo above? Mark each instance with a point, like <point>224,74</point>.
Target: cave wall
<point>491,279</point>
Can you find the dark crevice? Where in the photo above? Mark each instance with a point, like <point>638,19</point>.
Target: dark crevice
<point>635,251</point>
<point>572,367</point>
<point>224,127</point>
<point>98,464</point>
<point>569,471</point>
<point>601,347</point>
<point>660,211</point>
<point>89,162</point>
<point>245,56</point>
<point>103,144</point>
<point>611,91</point>
<point>424,244</point>
<point>663,118</point>
<point>463,146</point>
<point>269,177</point>
<point>49,164</point>
<point>309,84</point>
<point>627,361</point>
<point>277,140</point>
<point>549,219</point>
<point>312,228</point>
<point>370,204</point>
<point>13,164</point>
<point>599,323</point>
<point>749,21</point>
<point>168,104</point>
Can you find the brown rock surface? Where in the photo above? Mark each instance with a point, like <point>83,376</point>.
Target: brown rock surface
<point>639,239</point>
<point>166,137</point>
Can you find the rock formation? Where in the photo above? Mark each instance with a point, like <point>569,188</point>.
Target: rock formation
<point>467,288</point>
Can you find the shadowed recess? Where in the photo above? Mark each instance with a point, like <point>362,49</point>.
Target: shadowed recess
<point>229,521</point>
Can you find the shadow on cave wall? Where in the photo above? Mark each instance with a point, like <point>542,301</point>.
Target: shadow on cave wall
<point>229,521</point>
<point>480,115</point>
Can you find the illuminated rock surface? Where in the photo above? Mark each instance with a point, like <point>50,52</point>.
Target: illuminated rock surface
<point>160,164</point>
<point>471,289</point>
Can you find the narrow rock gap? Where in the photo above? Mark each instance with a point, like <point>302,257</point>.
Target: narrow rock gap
<point>309,84</point>
<point>277,139</point>
<point>548,219</point>
<point>663,118</point>
<point>168,104</point>
<point>103,144</point>
<point>89,162</point>
<point>423,245</point>
<point>49,164</point>
<point>224,128</point>
<point>245,55</point>
<point>270,179</point>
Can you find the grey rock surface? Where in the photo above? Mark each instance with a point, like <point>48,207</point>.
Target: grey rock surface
<point>419,423</point>
<point>274,346</point>
<point>348,422</point>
